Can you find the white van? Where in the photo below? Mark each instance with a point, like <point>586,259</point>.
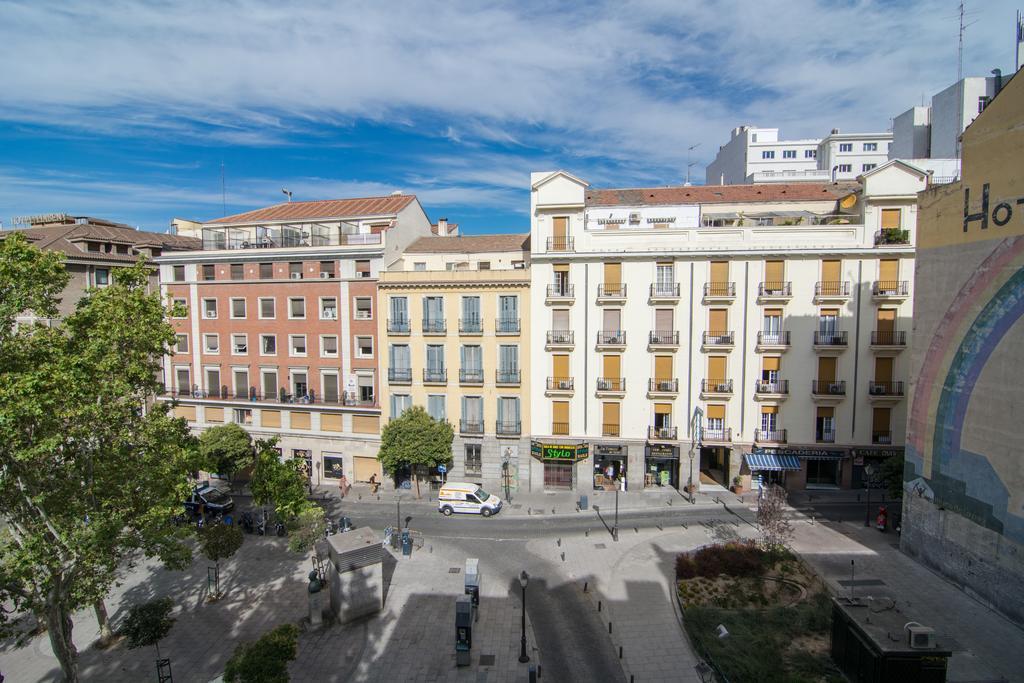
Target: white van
<point>459,497</point>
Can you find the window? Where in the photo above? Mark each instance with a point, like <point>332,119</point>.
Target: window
<point>399,404</point>
<point>297,308</point>
<point>561,283</point>
<point>768,154</point>
<point>435,359</point>
<point>419,265</point>
<point>239,344</point>
<point>327,269</point>
<point>982,103</point>
<point>295,270</point>
<point>181,343</point>
<point>237,271</point>
<point>300,383</point>
<point>297,344</point>
<point>846,147</point>
<point>237,308</point>
<point>789,154</point>
<point>179,273</point>
<point>399,314</point>
<point>268,344</point>
<point>209,273</point>
<point>508,314</point>
<point>209,309</point>
<point>400,363</point>
<point>436,406</point>
<point>518,265</point>
<point>213,387</point>
<point>364,384</point>
<point>769,419</point>
<point>433,314</point>
<point>665,279</point>
<point>184,381</point>
<point>181,305</point>
<point>266,271</point>
<point>867,167</point>
<point>483,265</point>
<point>825,425</point>
<point>328,308</point>
<point>364,347</point>
<point>364,308</point>
<point>508,415</point>
<point>472,465</point>
<point>472,415</point>
<point>270,389</point>
<point>890,218</point>
<point>810,154</point>
<point>508,358</point>
<point>242,416</point>
<point>870,146</point>
<point>102,276</point>
<point>610,419</point>
<point>268,308</point>
<point>329,346</point>
<point>362,269</point>
<point>330,391</point>
<point>211,343</point>
<point>845,168</point>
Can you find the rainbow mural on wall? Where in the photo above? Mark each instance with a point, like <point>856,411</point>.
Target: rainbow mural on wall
<point>975,323</point>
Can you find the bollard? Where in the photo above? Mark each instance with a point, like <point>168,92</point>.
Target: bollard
<point>609,627</point>
<point>659,527</point>
<point>563,557</point>
<point>598,605</point>
<point>586,533</point>
<point>585,584</point>
<point>620,652</point>
<point>559,542</point>
<point>552,510</point>
<point>533,675</point>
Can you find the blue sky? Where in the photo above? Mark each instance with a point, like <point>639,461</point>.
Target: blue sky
<point>127,110</point>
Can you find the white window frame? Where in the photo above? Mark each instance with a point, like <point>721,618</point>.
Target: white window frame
<point>337,308</point>
<point>188,369</point>
<point>324,374</point>
<point>277,382</point>
<point>231,308</point>
<point>810,154</point>
<point>216,308</point>
<point>337,346</point>
<point>291,347</point>
<point>868,167</point>
<point>178,336</point>
<point>444,405</point>
<point>212,391</point>
<point>235,412</point>
<point>262,337</point>
<point>789,154</point>
<point>355,307</point>
<point>293,299</point>
<point>358,350</point>
<point>768,154</point>
<point>845,146</point>
<point>243,336</point>
<point>845,168</point>
<point>174,303</point>
<point>259,309</point>
<point>870,146</point>
<point>206,346</point>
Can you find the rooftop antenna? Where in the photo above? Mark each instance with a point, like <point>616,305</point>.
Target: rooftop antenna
<point>1020,39</point>
<point>690,164</point>
<point>223,191</point>
<point>286,192</point>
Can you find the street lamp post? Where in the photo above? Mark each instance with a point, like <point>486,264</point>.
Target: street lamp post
<point>523,657</point>
<point>869,471</point>
<point>615,531</point>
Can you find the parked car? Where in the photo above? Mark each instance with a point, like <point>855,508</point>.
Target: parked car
<point>458,497</point>
<point>210,499</point>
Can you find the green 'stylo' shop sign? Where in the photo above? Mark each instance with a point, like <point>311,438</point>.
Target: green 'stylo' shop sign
<point>563,452</point>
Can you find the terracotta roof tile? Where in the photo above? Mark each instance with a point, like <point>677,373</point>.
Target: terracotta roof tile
<point>720,194</point>
<point>64,238</point>
<point>470,244</point>
<point>326,208</point>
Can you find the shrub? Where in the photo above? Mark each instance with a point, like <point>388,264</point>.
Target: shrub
<point>264,660</point>
<point>685,567</point>
<point>732,559</point>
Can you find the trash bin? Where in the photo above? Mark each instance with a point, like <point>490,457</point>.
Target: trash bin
<point>406,542</point>
<point>583,502</point>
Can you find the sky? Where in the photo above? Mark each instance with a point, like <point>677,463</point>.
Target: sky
<point>129,110</point>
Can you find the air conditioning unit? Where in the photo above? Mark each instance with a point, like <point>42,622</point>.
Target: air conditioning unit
<point>330,315</point>
<point>634,218</point>
<point>835,388</point>
<point>566,384</point>
<point>603,385</point>
<point>877,390</point>
<point>722,388</point>
<point>296,276</point>
<point>326,276</point>
<point>920,637</point>
<point>665,386</point>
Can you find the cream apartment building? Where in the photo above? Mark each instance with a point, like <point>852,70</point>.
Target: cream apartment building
<point>455,327</point>
<point>706,333</point>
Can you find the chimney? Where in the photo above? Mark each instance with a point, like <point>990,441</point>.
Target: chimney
<point>998,73</point>
<point>442,226</point>
<point>835,131</point>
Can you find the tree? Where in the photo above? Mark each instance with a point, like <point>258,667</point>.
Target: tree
<point>283,484</point>
<point>415,440</point>
<point>91,469</point>
<point>265,660</point>
<point>226,449</point>
<point>219,542</point>
<point>307,528</point>
<point>149,623</point>
<point>771,519</point>
<point>892,475</point>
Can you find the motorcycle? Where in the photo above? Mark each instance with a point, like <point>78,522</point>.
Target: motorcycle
<point>279,528</point>
<point>261,524</point>
<point>247,522</point>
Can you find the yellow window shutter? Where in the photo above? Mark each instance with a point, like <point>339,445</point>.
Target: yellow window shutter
<point>331,422</point>
<point>561,226</point>
<point>213,414</point>
<point>830,312</point>
<point>774,271</point>
<point>612,274</point>
<point>662,408</point>
<point>365,424</point>
<point>610,413</point>
<point>187,412</point>
<point>773,312</point>
<point>831,270</point>
<point>888,270</point>
<point>716,369</point>
<point>612,367</point>
<point>771,362</point>
<point>886,319</point>
<point>715,412</point>
<point>663,367</point>
<point>718,320</point>
<point>880,420</point>
<point>299,420</point>
<point>560,366</point>
<point>883,369</point>
<point>270,418</point>
<point>826,369</point>
<point>560,267</point>
<point>719,272</point>
<point>890,218</point>
<point>560,411</point>
<point>824,411</point>
<point>769,410</point>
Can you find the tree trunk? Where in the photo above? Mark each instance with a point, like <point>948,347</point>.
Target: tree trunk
<point>103,619</point>
<point>58,623</point>
<point>416,478</point>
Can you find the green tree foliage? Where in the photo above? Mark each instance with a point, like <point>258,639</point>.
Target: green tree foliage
<point>91,469</point>
<point>265,660</point>
<point>226,449</point>
<point>220,542</point>
<point>149,623</point>
<point>892,476</point>
<point>278,483</point>
<point>415,440</point>
<point>306,529</point>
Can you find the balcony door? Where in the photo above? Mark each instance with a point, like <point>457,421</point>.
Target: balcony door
<point>560,370</point>
<point>665,278</point>
<point>560,320</point>
<point>508,413</point>
<point>828,319</point>
<point>241,378</point>
<point>715,420</point>
<point>769,419</point>
<point>508,313</point>
<point>472,412</point>
<point>612,368</point>
<point>662,416</point>
<point>774,275</point>
<point>772,324</point>
<point>433,310</point>
<point>664,321</point>
<point>400,358</point>
<point>662,369</point>
<point>825,424</point>
<point>471,311</point>
<point>399,310</point>
<point>473,361</point>
<point>826,370</point>
<point>886,322</point>
<point>716,373</point>
<point>612,279</point>
<point>560,231</point>
<point>508,358</point>
<point>770,369</point>
<point>270,385</point>
<point>561,279</point>
<point>718,321</point>
<point>435,359</point>
<point>612,321</point>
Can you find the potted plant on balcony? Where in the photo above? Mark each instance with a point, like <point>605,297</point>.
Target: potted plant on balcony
<point>737,484</point>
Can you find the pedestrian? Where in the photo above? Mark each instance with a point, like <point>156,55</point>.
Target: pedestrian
<point>373,483</point>
<point>343,485</point>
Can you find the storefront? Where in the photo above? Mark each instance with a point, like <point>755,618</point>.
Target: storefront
<point>798,467</point>
<point>661,466</point>
<point>770,467</point>
<point>874,457</point>
<point>714,465</point>
<point>559,463</point>
<point>610,466</point>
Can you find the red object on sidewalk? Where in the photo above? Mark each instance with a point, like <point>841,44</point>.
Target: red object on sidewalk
<point>882,518</point>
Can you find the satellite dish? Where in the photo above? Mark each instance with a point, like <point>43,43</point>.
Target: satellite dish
<point>848,201</point>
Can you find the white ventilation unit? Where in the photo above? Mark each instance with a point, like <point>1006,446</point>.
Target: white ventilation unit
<point>634,218</point>
<point>296,276</point>
<point>603,385</point>
<point>564,384</point>
<point>835,388</point>
<point>665,386</point>
<point>920,637</point>
<point>326,276</point>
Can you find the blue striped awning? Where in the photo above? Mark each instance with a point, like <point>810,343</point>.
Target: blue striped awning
<point>772,462</point>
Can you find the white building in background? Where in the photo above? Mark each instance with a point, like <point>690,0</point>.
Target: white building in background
<point>775,315</point>
<point>845,156</point>
<point>756,155</point>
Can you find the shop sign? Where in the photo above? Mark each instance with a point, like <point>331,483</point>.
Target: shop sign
<point>605,449</point>
<point>877,453</point>
<point>559,452</point>
<point>662,451</point>
<point>812,453</point>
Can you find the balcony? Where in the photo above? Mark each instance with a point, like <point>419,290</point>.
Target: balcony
<point>723,435</point>
<point>881,438</point>
<point>250,395</point>
<point>433,376</point>
<point>831,291</point>
<point>663,340</point>
<point>890,341</point>
<point>471,326</point>
<point>611,294</point>
<point>507,428</point>
<point>400,326</point>
<point>561,244</point>
<point>662,388</point>
<point>890,290</point>
<point>471,376</point>
<point>507,326</point>
<point>718,339</point>
<point>662,433</point>
<point>719,292</point>
<point>507,378</point>
<point>773,341</point>
<point>286,236</point>
<point>896,236</point>
<point>560,428</point>
<point>560,294</point>
<point>434,327</point>
<point>828,391</point>
<point>664,293</point>
<point>611,339</point>
<point>775,291</point>
<point>560,386</point>
<point>560,339</point>
<point>770,435</point>
<point>400,375</point>
<point>716,388</point>
<point>610,429</point>
<point>885,392</point>
<point>611,386</point>
<point>771,391</point>
<point>825,436</point>
<point>471,427</point>
<point>831,342</point>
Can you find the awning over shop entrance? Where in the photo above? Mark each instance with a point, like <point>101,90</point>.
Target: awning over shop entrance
<point>772,462</point>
